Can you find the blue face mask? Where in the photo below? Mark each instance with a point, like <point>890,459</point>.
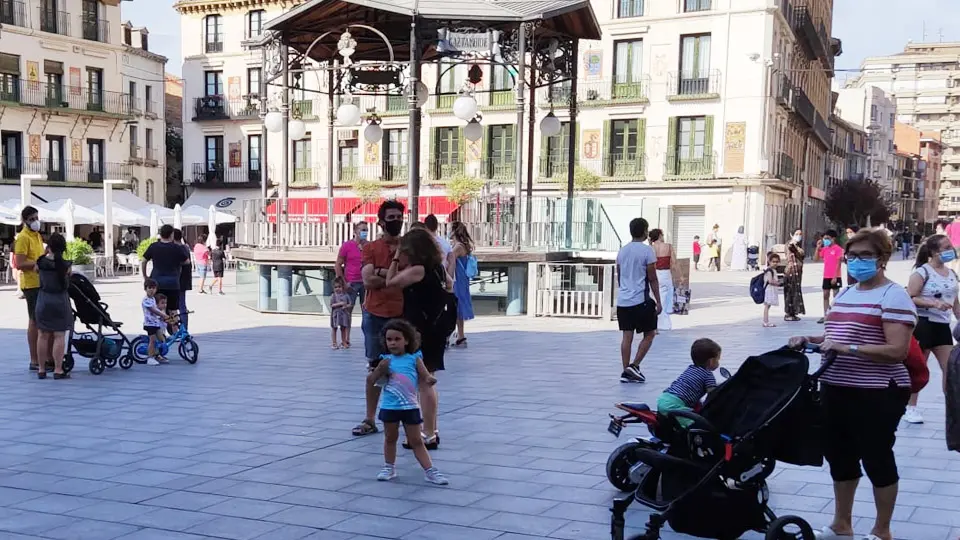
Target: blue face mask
<point>827,242</point>
<point>947,256</point>
<point>363,235</point>
<point>862,269</point>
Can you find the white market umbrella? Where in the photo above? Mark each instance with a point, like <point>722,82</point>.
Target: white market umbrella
<point>197,211</point>
<point>211,226</point>
<point>154,223</point>
<point>69,212</point>
<point>178,217</point>
<point>69,218</point>
<point>125,217</point>
<point>8,217</point>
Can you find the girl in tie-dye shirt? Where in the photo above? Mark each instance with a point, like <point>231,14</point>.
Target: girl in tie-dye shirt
<point>399,373</point>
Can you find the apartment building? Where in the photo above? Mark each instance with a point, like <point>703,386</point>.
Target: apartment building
<point>847,161</point>
<point>78,102</point>
<point>918,155</point>
<point>924,82</point>
<point>695,111</point>
<point>869,107</point>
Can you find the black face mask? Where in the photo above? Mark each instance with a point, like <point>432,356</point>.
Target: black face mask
<point>392,228</point>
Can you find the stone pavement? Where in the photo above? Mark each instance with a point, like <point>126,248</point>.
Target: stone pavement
<point>253,441</point>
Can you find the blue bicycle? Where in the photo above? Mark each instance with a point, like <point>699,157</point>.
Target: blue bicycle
<point>188,348</point>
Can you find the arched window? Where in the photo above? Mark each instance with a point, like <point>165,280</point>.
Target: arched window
<point>254,24</point>
<point>213,33</point>
<point>148,196</point>
<point>135,186</point>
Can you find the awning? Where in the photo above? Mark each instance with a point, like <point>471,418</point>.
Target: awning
<point>85,196</point>
<point>314,210</point>
<point>224,200</point>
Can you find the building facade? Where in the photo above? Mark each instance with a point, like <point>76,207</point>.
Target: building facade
<point>870,108</point>
<point>924,82</point>
<point>847,161</point>
<point>919,155</point>
<point>77,98</point>
<point>692,113</point>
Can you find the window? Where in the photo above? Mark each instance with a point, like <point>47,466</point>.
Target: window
<point>253,83</point>
<point>148,195</point>
<point>95,89</point>
<point>628,62</point>
<point>452,76</point>
<point>12,151</point>
<point>9,77</point>
<point>499,158</point>
<point>144,42</point>
<point>148,98</point>
<point>448,160</point>
<point>624,140</point>
<point>148,143</point>
<point>214,153</point>
<point>213,83</point>
<point>691,138</point>
<point>874,113</point>
<point>133,96</point>
<point>253,157</point>
<point>135,187</point>
<point>254,24</point>
<point>127,35</point>
<point>95,166</point>
<point>690,6</point>
<point>302,160</point>
<point>893,120</point>
<point>213,33</point>
<point>629,8</point>
<point>555,152</point>
<point>93,30</point>
<point>54,74</point>
<point>55,158</point>
<point>395,160</point>
<point>51,18</point>
<point>134,141</point>
<point>694,64</point>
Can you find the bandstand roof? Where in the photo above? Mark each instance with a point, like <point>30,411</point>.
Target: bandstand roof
<point>304,23</point>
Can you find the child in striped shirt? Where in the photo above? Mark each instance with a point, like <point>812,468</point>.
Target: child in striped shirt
<point>695,382</point>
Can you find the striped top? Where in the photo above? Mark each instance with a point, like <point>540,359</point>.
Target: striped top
<point>857,318</point>
<point>693,384</point>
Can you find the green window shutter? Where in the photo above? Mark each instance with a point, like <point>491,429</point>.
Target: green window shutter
<point>461,151</point>
<point>641,144</point>
<point>708,139</point>
<point>576,145</point>
<point>672,153</point>
<point>432,148</point>
<point>607,162</point>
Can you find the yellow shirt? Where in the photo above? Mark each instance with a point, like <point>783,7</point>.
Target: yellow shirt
<point>29,244</point>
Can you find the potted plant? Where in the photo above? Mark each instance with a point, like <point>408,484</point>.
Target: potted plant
<point>81,254</point>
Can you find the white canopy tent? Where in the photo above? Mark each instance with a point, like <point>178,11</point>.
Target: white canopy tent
<point>125,217</point>
<point>204,214</point>
<point>167,216</point>
<point>66,211</point>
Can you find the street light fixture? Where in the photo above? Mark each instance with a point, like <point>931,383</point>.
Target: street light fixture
<point>273,121</point>
<point>465,107</point>
<point>373,132</point>
<point>348,114</point>
<point>297,129</point>
<point>550,125</point>
<point>473,130</point>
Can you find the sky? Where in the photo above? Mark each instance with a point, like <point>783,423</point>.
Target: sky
<point>866,27</point>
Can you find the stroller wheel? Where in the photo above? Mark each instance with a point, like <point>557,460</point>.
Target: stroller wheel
<point>789,528</point>
<point>189,350</point>
<point>619,464</point>
<point>68,363</point>
<point>126,361</point>
<point>110,362</point>
<point>96,366</point>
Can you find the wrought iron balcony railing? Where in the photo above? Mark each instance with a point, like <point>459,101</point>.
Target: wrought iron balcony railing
<point>96,30</point>
<point>216,174</point>
<point>213,46</point>
<point>597,93</point>
<point>678,166</point>
<point>66,170</point>
<point>53,96</point>
<point>384,173</point>
<point>209,108</point>
<point>696,85</point>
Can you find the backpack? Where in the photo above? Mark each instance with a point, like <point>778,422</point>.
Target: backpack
<point>470,267</point>
<point>758,287</point>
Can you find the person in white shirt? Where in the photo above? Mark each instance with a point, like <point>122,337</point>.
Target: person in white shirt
<point>638,299</point>
<point>433,225</point>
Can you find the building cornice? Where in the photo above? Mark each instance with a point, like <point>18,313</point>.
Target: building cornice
<point>186,7</point>
<point>146,54</point>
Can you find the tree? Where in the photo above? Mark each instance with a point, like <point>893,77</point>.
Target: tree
<point>585,180</point>
<point>462,188</point>
<point>367,190</point>
<point>856,203</point>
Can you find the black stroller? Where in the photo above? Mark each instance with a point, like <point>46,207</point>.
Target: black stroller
<point>104,344</point>
<point>753,257</point>
<point>710,480</point>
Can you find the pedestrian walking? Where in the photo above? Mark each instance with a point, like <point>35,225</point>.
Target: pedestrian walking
<point>201,253</point>
<point>850,232</point>
<point>53,314</point>
<point>465,268</point>
<point>793,279</point>
<point>771,295</point>
<point>402,373</point>
<point>349,263</point>
<point>696,252</point>
<point>340,315</point>
<point>864,392</point>
<point>713,250</point>
<point>715,238</point>
<point>832,256</point>
<point>638,299</point>
<point>382,303</point>
<point>167,258</point>
<point>186,278</point>
<point>906,243</point>
<point>933,288</point>
<point>27,249</point>
<point>426,289</point>
<point>218,262</point>
<point>667,273</point>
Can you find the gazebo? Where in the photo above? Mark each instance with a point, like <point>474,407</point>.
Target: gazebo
<point>377,47</point>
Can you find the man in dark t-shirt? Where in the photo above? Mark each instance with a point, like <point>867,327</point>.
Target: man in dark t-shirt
<point>167,258</point>
<point>186,276</point>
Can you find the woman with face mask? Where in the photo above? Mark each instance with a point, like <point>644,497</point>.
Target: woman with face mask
<point>864,392</point>
<point>793,278</point>
<point>933,288</point>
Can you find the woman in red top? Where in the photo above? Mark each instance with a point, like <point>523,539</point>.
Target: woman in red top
<point>667,270</point>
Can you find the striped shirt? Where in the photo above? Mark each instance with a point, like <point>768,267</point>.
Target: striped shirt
<point>857,318</point>
<point>692,384</point>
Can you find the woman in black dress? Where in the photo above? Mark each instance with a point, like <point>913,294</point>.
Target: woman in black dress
<point>426,286</point>
<point>54,317</point>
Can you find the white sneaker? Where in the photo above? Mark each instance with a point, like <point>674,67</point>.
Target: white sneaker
<point>913,416</point>
<point>152,362</point>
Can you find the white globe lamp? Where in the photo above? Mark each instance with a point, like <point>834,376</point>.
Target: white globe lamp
<point>422,94</point>
<point>348,114</point>
<point>550,125</point>
<point>273,122</point>
<point>473,131</point>
<point>297,130</point>
<point>465,107</point>
<point>373,133</point>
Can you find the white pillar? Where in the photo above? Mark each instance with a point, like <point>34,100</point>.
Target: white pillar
<point>178,217</point>
<point>69,223</point>
<point>108,225</point>
<point>26,180</point>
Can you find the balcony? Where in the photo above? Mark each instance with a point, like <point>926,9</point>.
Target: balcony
<point>441,171</point>
<point>245,109</point>
<point>821,129</point>
<point>67,171</point>
<point>213,47</point>
<point>209,108</point>
<point>804,107</point>
<point>812,35</point>
<point>151,109</point>
<point>594,94</point>
<point>96,30</point>
<point>678,167</point>
<point>785,92</point>
<point>498,169</point>
<point>786,169</point>
<point>693,86</point>
<point>910,173</point>
<point>216,176</point>
<point>387,174</point>
<point>152,157</point>
<point>67,99</point>
<point>55,22</point>
<point>13,13</point>
<point>136,155</point>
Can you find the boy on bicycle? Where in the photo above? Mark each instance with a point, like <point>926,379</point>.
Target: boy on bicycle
<point>155,318</point>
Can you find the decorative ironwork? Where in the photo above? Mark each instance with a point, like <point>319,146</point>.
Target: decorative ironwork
<point>273,57</point>
<point>375,79</point>
<point>469,42</point>
<point>553,58</point>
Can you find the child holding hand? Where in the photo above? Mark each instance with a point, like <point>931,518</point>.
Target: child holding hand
<point>340,314</point>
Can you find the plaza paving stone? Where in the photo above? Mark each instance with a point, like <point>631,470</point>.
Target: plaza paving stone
<point>253,442</point>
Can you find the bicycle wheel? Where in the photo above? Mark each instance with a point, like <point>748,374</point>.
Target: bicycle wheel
<point>189,350</point>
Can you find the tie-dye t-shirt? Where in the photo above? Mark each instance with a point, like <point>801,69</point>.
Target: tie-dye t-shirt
<point>400,392</point>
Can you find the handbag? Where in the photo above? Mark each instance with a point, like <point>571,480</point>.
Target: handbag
<point>916,364</point>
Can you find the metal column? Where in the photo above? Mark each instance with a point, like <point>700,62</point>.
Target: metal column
<point>413,129</point>
<point>572,146</point>
<point>264,180</point>
<point>285,136</point>
<point>521,69</point>
<point>331,143</point>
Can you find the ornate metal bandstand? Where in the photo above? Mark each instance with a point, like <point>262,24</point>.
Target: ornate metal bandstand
<point>360,48</point>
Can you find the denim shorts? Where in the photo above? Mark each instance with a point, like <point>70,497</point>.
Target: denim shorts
<point>372,327</point>
<point>202,270</point>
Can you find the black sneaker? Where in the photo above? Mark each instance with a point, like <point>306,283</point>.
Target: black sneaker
<point>632,375</point>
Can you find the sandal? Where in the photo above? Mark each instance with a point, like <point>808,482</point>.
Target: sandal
<point>58,376</point>
<point>365,428</point>
<point>460,342</point>
<point>769,325</point>
<point>432,443</point>
<point>334,346</point>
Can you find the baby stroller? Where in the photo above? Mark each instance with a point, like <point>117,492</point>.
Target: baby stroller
<point>753,257</point>
<point>709,478</point>
<point>104,344</point>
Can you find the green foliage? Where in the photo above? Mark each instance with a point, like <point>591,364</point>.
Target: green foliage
<point>367,190</point>
<point>79,252</point>
<point>585,180</point>
<point>144,244</point>
<point>462,188</point>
